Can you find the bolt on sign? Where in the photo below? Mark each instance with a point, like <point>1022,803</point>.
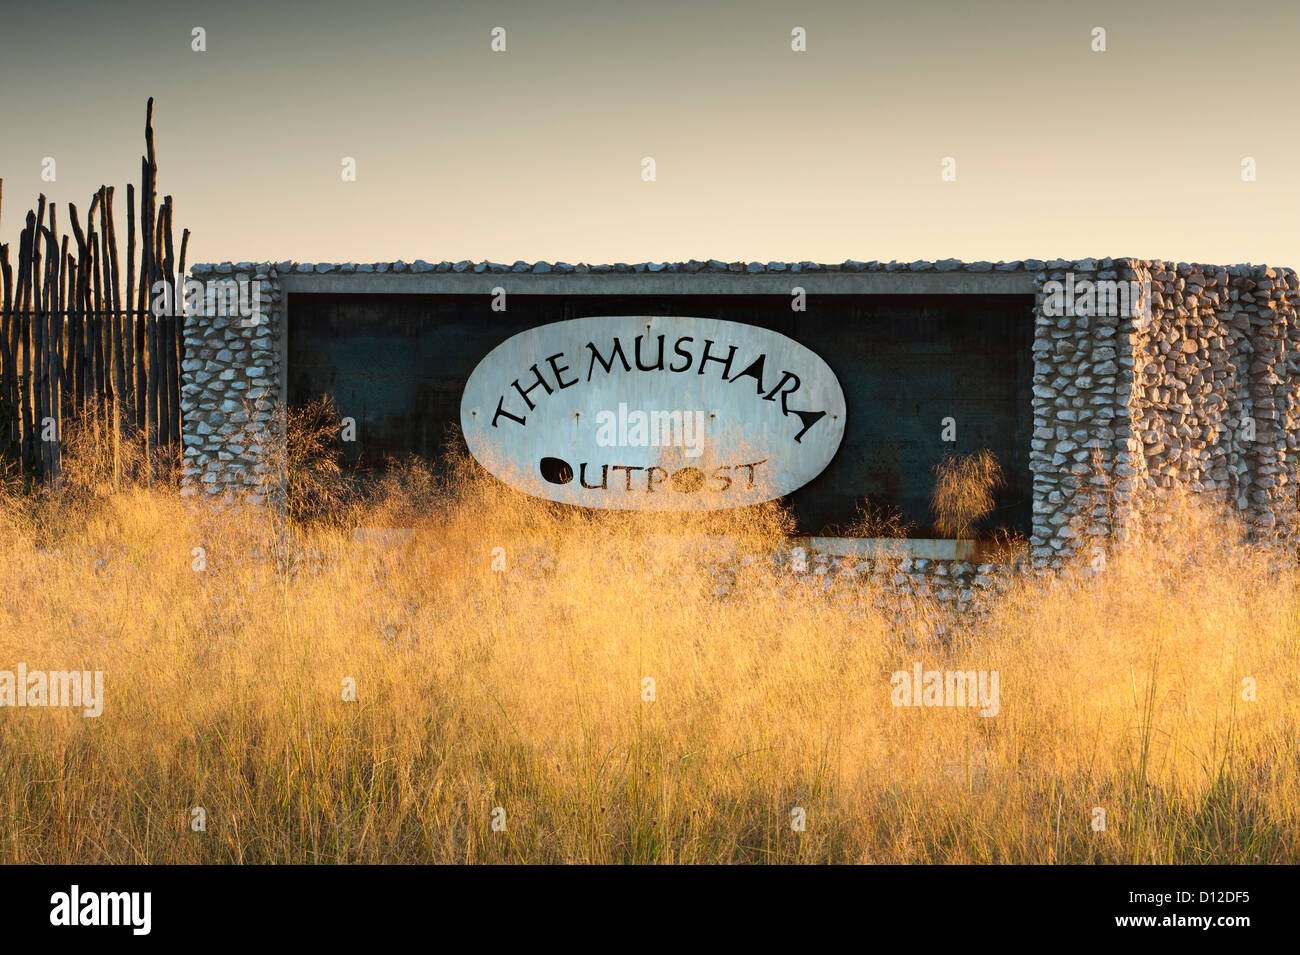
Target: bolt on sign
<point>635,412</point>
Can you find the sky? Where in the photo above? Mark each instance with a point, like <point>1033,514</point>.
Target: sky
<point>760,152</point>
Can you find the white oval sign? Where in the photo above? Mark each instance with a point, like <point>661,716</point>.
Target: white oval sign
<point>653,413</point>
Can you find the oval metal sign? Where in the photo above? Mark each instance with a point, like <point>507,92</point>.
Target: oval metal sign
<point>653,413</point>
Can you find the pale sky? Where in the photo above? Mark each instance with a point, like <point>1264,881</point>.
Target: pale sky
<point>761,153</point>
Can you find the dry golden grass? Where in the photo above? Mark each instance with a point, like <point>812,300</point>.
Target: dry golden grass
<point>522,688</point>
<point>963,491</point>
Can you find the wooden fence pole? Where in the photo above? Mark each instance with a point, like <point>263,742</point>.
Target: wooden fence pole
<point>73,341</point>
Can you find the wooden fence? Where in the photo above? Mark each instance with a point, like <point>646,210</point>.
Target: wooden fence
<point>80,348</point>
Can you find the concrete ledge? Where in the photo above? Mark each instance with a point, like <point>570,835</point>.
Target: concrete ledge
<point>659,283</point>
<point>898,547</point>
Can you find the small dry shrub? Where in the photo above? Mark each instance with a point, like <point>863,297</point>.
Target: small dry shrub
<point>963,493</point>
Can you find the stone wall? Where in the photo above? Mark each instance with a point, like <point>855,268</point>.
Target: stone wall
<point>1214,402</point>
<point>231,387</point>
<point>1082,371</point>
<point>1123,404</point>
<point>1198,390</point>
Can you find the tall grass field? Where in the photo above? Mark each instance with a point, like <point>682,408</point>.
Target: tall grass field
<point>514,681</point>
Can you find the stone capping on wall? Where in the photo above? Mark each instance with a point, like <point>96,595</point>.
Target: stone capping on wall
<point>1120,406</point>
<point>691,266</point>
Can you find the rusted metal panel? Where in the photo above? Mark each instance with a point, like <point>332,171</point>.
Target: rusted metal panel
<point>398,364</point>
